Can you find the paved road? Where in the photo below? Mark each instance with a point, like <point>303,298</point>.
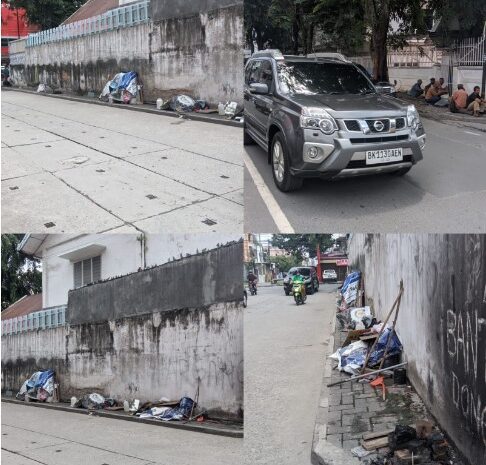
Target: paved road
<point>70,166</point>
<point>284,361</point>
<point>446,192</point>
<point>33,436</point>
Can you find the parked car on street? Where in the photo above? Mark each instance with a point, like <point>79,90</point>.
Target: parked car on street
<point>322,117</point>
<point>308,272</point>
<point>329,275</point>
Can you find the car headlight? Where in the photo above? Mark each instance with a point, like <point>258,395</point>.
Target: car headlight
<point>413,118</point>
<point>317,118</point>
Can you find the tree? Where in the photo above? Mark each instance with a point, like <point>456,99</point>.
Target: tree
<point>408,17</point>
<point>21,275</point>
<point>47,13</point>
<point>341,24</point>
<point>285,262</point>
<point>300,244</point>
<point>458,19</point>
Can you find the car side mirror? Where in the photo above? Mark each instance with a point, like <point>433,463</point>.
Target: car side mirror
<point>258,88</point>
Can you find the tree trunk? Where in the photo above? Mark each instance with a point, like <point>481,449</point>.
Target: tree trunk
<point>295,37</point>
<point>379,39</point>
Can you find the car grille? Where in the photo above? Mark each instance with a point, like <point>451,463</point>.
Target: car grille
<point>367,140</point>
<point>400,123</point>
<point>371,122</point>
<point>352,125</point>
<point>353,164</point>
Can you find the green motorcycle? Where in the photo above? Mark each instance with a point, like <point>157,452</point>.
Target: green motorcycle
<point>298,290</point>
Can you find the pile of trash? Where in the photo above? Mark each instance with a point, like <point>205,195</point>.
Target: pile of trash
<point>369,343</point>
<point>39,387</point>
<point>164,409</point>
<point>403,445</point>
<point>185,104</point>
<point>123,88</point>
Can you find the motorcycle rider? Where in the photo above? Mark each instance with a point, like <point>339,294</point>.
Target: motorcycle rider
<point>299,279</point>
<point>252,279</point>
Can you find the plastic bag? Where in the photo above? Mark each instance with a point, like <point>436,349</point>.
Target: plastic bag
<point>182,103</point>
<point>183,410</point>
<point>93,401</point>
<point>349,289</point>
<point>394,348</point>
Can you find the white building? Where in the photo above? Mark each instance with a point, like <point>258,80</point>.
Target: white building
<point>71,261</point>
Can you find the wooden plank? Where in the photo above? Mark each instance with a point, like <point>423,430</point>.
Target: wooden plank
<point>375,443</point>
<point>377,434</point>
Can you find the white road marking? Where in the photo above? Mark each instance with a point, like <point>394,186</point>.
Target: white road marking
<point>473,133</point>
<point>273,207</point>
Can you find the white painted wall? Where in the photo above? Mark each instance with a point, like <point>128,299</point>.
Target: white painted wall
<point>123,254</point>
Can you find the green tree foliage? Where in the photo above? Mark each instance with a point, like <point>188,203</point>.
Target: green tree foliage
<point>285,262</point>
<point>47,13</point>
<point>407,15</point>
<point>20,275</point>
<point>341,24</point>
<point>300,244</point>
<point>459,19</point>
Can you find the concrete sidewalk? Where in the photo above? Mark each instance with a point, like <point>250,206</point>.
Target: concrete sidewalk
<point>68,166</point>
<point>33,436</point>
<point>145,108</point>
<point>220,428</point>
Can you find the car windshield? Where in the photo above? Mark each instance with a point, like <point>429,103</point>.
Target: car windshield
<point>312,77</point>
<point>302,271</point>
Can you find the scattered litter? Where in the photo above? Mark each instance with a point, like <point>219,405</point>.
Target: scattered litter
<point>44,88</point>
<point>124,87</point>
<point>360,452</point>
<point>182,103</point>
<point>40,387</point>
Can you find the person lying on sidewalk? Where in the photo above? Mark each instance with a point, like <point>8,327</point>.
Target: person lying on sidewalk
<point>475,103</point>
<point>458,102</point>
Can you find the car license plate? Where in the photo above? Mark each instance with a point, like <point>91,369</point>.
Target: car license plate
<point>373,157</point>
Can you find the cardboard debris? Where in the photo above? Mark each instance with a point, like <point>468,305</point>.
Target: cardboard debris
<point>373,444</point>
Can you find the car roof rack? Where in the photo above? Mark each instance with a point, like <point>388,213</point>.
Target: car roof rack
<point>269,53</point>
<point>329,56</point>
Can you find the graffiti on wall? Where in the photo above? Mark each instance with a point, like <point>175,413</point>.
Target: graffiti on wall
<point>466,347</point>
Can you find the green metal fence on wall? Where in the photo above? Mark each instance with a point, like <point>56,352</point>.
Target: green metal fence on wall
<point>124,16</point>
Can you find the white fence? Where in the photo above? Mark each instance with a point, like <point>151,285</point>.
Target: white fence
<point>408,57</point>
<point>120,17</point>
<point>44,319</point>
<point>469,52</point>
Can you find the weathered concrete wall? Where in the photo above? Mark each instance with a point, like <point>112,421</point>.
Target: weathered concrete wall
<point>123,254</point>
<point>199,280</point>
<point>200,54</point>
<point>145,357</point>
<point>442,321</point>
<point>162,9</point>
<point>153,333</point>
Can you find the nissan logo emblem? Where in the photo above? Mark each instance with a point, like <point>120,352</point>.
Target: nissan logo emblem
<point>379,126</point>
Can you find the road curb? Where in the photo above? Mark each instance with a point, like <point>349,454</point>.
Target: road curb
<point>118,416</point>
<point>188,116</point>
<point>324,452</point>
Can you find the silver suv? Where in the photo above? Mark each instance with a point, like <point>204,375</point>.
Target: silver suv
<point>321,117</point>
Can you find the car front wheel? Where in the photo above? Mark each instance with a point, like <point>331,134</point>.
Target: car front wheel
<point>281,166</point>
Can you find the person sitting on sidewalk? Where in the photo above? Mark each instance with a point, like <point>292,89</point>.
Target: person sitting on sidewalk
<point>475,103</point>
<point>429,85</point>
<point>432,96</point>
<point>416,90</point>
<point>441,88</point>
<point>458,102</point>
